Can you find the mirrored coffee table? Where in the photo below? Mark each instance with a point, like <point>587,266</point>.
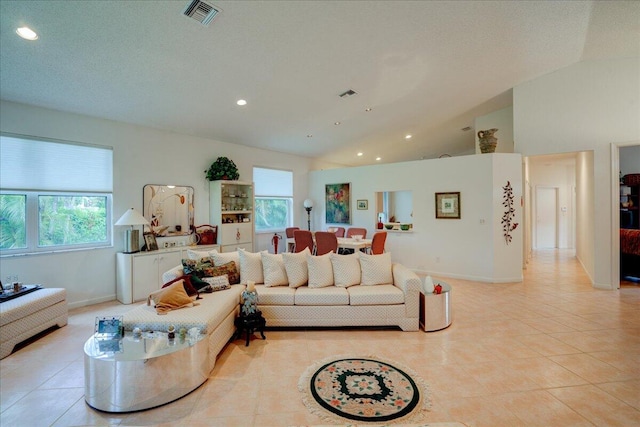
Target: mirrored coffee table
<point>131,374</point>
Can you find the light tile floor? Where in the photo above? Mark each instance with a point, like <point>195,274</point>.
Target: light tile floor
<point>551,351</point>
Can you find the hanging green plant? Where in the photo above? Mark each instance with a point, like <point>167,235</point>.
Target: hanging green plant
<point>222,168</point>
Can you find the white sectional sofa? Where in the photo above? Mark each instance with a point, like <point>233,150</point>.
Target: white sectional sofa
<point>295,293</point>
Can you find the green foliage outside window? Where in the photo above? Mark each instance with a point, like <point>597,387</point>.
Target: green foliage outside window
<point>13,214</point>
<point>272,213</point>
<point>71,220</point>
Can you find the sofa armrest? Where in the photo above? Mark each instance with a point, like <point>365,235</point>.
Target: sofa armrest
<point>410,284</point>
<point>172,274</point>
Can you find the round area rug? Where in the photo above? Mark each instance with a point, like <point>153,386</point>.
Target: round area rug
<point>363,389</point>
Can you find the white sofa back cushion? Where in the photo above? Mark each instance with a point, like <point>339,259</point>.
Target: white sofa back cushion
<point>346,270</point>
<point>192,254</point>
<point>376,269</point>
<point>296,267</point>
<point>251,267</point>
<point>273,270</point>
<point>320,271</point>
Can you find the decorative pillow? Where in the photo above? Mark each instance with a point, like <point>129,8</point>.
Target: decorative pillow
<point>188,286</point>
<point>190,266</point>
<point>251,267</point>
<point>193,254</point>
<point>170,298</point>
<point>218,283</point>
<point>295,264</point>
<point>346,270</point>
<point>220,258</point>
<point>273,270</point>
<point>376,269</point>
<point>229,269</point>
<point>320,271</point>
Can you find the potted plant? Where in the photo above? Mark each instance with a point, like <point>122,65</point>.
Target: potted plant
<point>222,168</point>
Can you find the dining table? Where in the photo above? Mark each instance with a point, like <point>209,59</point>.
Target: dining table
<point>343,243</point>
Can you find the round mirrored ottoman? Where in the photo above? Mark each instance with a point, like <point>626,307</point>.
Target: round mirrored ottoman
<point>131,374</point>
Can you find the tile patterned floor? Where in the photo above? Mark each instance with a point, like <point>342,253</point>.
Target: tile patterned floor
<point>551,351</point>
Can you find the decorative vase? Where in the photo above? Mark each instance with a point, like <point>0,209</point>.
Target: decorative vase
<point>488,142</point>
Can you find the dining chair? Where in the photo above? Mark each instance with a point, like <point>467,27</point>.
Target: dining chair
<point>377,243</point>
<point>339,231</point>
<point>326,242</point>
<point>357,231</point>
<point>289,233</point>
<point>303,239</point>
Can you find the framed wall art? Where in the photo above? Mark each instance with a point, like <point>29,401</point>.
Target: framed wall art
<point>363,205</point>
<point>338,203</point>
<point>448,205</point>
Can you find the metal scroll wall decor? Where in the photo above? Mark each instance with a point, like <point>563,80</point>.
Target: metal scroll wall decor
<point>507,201</point>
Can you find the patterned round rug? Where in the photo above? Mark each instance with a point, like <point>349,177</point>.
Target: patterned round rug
<point>363,389</point>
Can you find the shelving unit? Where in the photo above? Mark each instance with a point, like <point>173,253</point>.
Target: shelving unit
<point>629,201</point>
<point>231,209</point>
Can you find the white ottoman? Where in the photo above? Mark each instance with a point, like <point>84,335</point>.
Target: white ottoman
<point>25,316</point>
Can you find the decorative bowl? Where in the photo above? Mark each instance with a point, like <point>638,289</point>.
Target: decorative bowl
<point>388,226</point>
<point>357,237</point>
<point>405,227</point>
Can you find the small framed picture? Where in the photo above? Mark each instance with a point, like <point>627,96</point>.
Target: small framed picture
<point>150,241</point>
<point>448,205</point>
<point>363,205</point>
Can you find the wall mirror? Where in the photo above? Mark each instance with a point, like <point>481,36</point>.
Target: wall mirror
<point>395,206</point>
<point>169,209</point>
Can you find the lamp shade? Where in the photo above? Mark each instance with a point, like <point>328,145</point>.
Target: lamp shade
<point>132,217</point>
<point>308,203</point>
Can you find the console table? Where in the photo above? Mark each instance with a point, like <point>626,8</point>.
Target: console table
<point>131,374</point>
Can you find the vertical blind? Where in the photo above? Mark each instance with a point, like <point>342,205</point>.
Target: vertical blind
<point>273,182</point>
<point>32,164</point>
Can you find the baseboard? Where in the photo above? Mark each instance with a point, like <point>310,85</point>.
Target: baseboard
<point>469,277</point>
<point>91,301</point>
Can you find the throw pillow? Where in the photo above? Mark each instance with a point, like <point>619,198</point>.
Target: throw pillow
<point>346,270</point>
<point>229,269</point>
<point>295,264</point>
<point>320,271</point>
<point>220,258</point>
<point>191,266</point>
<point>273,270</point>
<point>251,267</point>
<point>193,254</point>
<point>170,298</point>
<point>188,286</point>
<point>376,269</point>
<point>218,283</point>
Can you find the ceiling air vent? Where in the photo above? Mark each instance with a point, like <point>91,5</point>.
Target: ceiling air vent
<point>348,93</point>
<point>466,128</point>
<point>201,12</point>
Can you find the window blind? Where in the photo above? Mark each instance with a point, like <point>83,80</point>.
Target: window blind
<point>31,164</point>
<point>273,182</point>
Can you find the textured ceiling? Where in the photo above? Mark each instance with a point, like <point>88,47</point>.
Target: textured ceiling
<point>424,68</point>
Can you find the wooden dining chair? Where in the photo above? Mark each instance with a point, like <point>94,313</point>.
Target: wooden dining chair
<point>326,241</point>
<point>339,231</point>
<point>377,243</point>
<point>357,231</point>
<point>303,239</point>
<point>289,233</point>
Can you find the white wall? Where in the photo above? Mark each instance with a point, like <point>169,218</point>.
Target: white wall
<point>586,106</point>
<point>141,156</point>
<point>442,247</point>
<point>501,120</point>
<point>630,159</point>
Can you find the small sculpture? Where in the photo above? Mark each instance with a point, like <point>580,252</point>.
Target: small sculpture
<point>249,299</point>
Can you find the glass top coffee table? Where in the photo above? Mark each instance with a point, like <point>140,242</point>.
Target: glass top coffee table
<point>131,374</point>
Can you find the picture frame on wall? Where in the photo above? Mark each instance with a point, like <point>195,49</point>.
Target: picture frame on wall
<point>150,241</point>
<point>338,203</point>
<point>448,205</point>
<point>362,205</point>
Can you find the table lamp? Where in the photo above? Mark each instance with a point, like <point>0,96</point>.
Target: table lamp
<point>308,205</point>
<point>132,237</point>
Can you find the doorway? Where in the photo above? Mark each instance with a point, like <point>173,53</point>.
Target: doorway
<point>546,217</point>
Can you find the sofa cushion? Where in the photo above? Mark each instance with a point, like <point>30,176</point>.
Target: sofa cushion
<point>296,267</point>
<point>375,295</point>
<point>220,258</point>
<point>330,295</point>
<point>346,270</point>
<point>320,271</point>
<point>275,295</point>
<point>188,286</point>
<point>193,254</point>
<point>273,270</point>
<point>376,269</point>
<point>215,284</point>
<point>195,266</point>
<point>250,267</point>
<point>170,298</point>
<point>230,269</point>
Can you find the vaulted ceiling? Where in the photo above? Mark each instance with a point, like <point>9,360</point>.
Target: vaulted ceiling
<point>420,68</point>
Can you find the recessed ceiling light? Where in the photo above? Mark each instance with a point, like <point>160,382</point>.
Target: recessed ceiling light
<point>27,33</point>
<point>378,158</point>
<point>367,109</point>
<point>241,102</point>
<point>309,136</point>
<point>336,123</point>
<point>360,154</point>
<point>407,136</point>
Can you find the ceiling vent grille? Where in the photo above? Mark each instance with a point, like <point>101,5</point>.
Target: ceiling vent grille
<point>201,12</point>
<point>348,93</point>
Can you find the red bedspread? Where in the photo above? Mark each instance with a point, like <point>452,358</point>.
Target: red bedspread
<point>630,241</point>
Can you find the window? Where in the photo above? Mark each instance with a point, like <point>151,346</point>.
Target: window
<point>53,195</point>
<point>273,199</point>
